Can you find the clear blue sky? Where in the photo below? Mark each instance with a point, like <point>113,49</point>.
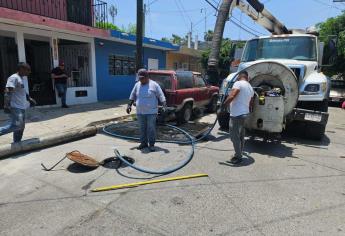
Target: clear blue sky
<point>167,17</point>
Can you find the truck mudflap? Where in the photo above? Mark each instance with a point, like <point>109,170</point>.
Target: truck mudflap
<point>309,116</point>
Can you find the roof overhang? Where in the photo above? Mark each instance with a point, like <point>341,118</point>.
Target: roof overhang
<point>127,38</point>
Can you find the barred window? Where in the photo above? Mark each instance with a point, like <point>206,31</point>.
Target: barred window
<point>121,65</point>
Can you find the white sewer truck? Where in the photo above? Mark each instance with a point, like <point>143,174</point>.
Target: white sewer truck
<point>285,71</point>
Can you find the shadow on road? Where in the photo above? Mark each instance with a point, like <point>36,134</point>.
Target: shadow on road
<point>247,160</point>
<point>269,148</point>
<point>78,169</point>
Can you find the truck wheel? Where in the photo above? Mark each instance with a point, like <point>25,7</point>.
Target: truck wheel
<point>223,120</point>
<point>212,107</point>
<point>315,131</point>
<point>185,114</point>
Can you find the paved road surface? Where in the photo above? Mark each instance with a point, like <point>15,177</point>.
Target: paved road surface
<point>296,187</point>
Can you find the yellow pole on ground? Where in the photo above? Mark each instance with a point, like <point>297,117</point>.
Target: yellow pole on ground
<point>136,184</point>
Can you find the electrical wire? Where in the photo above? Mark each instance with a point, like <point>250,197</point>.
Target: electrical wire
<point>329,5</point>
<point>184,10</point>
<point>183,17</point>
<point>253,30</point>
<point>239,25</point>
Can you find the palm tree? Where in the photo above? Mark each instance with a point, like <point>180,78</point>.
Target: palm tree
<point>212,65</point>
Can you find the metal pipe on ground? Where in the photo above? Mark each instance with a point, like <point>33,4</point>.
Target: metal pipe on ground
<point>47,141</point>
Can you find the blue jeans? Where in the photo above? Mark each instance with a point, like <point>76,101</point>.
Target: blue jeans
<point>147,124</point>
<point>15,125</point>
<point>237,133</point>
<point>61,90</point>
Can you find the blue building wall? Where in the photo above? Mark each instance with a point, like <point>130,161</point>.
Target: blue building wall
<point>110,87</point>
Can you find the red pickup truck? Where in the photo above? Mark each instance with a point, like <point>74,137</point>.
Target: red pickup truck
<point>186,92</point>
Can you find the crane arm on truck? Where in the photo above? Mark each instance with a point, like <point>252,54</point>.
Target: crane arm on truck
<point>255,10</point>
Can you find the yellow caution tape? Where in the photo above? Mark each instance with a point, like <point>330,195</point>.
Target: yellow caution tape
<point>136,184</point>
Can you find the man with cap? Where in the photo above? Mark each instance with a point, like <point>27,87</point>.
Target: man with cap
<point>146,94</point>
<point>16,101</point>
<point>240,100</point>
<point>60,80</point>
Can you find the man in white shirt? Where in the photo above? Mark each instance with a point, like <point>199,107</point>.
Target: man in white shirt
<point>240,100</point>
<point>16,102</point>
<point>146,94</point>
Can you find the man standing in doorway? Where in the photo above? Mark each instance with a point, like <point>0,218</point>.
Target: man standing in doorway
<point>146,94</point>
<point>60,80</point>
<point>15,102</point>
<point>240,100</point>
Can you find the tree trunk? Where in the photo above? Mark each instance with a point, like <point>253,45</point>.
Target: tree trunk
<point>223,15</point>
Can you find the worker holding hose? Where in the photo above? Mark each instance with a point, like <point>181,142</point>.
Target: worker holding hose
<point>146,95</point>
<point>240,100</point>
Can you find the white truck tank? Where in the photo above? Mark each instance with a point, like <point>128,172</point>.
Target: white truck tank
<point>276,89</point>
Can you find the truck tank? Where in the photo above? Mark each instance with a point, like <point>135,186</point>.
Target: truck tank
<point>276,88</point>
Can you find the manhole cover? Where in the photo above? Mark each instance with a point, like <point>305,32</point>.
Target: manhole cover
<point>82,159</point>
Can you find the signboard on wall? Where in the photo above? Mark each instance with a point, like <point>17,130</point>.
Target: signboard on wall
<point>152,64</point>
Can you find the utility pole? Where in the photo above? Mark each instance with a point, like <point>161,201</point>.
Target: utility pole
<point>144,20</point>
<point>203,10</point>
<point>190,35</point>
<point>139,41</point>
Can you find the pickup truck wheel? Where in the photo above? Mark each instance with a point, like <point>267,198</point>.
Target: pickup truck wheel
<point>212,107</point>
<point>223,120</point>
<point>185,114</point>
<point>315,131</point>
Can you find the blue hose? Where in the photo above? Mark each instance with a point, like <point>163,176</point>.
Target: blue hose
<point>166,171</point>
<point>192,141</point>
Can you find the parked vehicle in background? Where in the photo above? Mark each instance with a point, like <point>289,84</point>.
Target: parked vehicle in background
<point>337,94</point>
<point>187,93</point>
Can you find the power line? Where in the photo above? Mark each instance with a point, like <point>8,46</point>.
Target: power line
<point>150,3</point>
<point>184,10</point>
<point>173,11</point>
<point>326,4</point>
<point>235,23</point>
<point>183,17</point>
<point>202,19</point>
<point>247,26</point>
<point>238,25</point>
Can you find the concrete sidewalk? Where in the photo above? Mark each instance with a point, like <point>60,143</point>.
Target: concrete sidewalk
<point>43,121</point>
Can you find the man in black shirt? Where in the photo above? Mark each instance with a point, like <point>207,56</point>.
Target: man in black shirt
<point>60,79</point>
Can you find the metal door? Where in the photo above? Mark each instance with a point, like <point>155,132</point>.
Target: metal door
<point>8,62</point>
<point>40,81</point>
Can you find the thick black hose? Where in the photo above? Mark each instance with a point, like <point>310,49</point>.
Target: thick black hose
<point>192,141</point>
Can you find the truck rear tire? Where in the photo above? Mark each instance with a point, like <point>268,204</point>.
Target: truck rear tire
<point>185,114</point>
<point>223,120</point>
<point>315,131</point>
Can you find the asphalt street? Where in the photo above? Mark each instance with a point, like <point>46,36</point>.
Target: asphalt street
<point>292,187</point>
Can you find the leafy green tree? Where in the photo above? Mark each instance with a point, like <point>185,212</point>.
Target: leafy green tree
<point>208,36</point>
<point>334,28</point>
<point>107,26</point>
<point>131,28</point>
<point>165,39</point>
